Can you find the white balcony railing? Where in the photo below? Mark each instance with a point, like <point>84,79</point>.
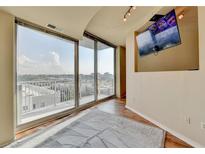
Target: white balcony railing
<point>38,98</point>
<point>34,95</point>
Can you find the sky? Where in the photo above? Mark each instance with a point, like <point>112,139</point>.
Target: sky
<point>40,53</point>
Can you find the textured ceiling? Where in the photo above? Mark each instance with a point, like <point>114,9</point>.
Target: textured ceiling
<point>105,22</point>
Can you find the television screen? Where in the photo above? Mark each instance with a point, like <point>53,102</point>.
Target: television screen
<point>161,35</point>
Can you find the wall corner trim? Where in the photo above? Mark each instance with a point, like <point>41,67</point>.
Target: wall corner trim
<point>178,135</point>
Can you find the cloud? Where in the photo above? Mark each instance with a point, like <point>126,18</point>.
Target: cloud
<point>46,64</point>
<point>53,58</point>
<point>22,59</point>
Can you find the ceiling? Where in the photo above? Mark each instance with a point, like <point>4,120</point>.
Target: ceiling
<point>108,22</point>
<point>72,20</point>
<point>105,22</point>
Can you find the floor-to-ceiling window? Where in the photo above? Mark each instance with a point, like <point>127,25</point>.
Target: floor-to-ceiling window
<point>53,75</point>
<point>86,71</point>
<point>45,74</point>
<point>105,63</point>
<point>99,83</point>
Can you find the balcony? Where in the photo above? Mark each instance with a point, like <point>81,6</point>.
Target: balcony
<point>38,99</point>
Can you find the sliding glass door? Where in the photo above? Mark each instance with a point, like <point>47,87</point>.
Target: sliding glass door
<point>99,83</point>
<point>86,71</point>
<point>45,74</point>
<point>105,63</point>
<point>55,74</point>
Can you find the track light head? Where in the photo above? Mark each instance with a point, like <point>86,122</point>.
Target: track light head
<point>134,7</point>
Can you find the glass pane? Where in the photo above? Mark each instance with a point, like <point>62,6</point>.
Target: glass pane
<point>45,74</point>
<point>86,71</point>
<point>105,70</point>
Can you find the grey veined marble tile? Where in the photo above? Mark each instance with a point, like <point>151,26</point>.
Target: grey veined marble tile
<point>98,129</point>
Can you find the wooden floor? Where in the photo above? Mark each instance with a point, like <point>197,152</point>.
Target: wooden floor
<point>114,106</point>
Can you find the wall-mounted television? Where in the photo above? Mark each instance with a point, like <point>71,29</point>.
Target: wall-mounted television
<point>162,34</point>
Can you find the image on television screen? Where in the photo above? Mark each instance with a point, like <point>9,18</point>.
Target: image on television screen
<point>161,35</point>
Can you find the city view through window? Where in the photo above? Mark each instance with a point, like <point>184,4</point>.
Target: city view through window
<point>86,71</point>
<point>46,78</point>
<point>105,70</point>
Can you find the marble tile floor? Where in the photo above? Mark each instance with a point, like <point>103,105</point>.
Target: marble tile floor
<point>115,107</point>
<point>98,129</point>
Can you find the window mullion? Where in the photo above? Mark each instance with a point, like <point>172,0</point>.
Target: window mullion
<point>76,74</point>
<point>96,70</point>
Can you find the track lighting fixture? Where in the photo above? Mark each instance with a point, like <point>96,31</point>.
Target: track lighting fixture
<point>128,13</point>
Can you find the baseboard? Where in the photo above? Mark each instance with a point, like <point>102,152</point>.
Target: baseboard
<point>178,135</point>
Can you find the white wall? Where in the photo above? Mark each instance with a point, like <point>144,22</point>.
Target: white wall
<point>168,97</point>
<point>6,78</point>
